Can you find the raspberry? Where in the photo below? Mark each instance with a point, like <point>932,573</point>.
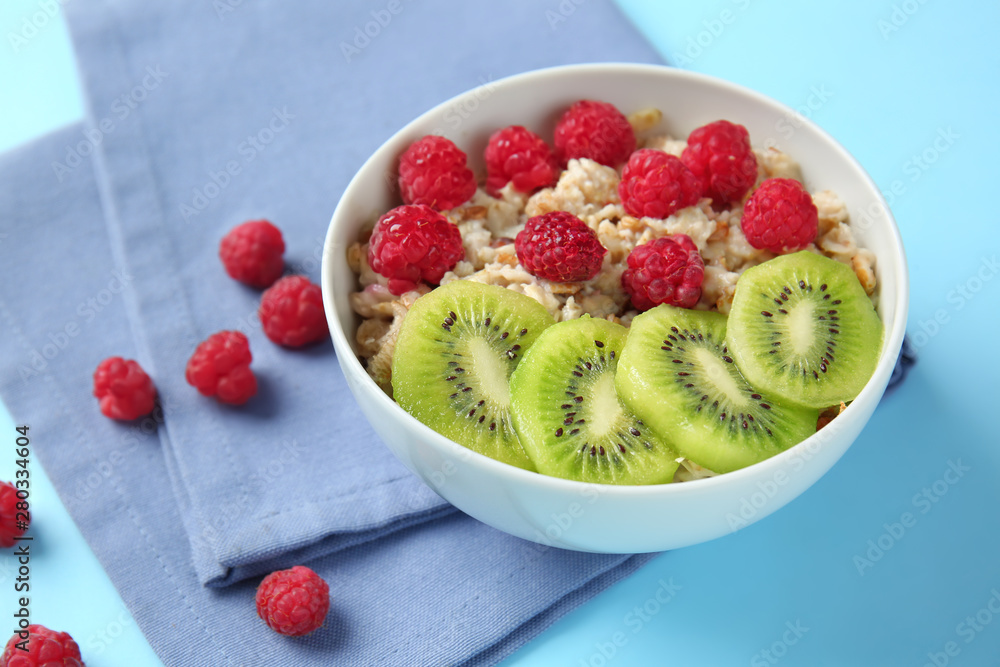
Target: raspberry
<point>560,247</point>
<point>252,252</point>
<point>666,270</point>
<point>720,155</point>
<point>433,171</point>
<point>293,602</point>
<point>291,312</point>
<point>780,216</point>
<point>520,156</point>
<point>411,243</point>
<point>595,130</point>
<point>656,184</point>
<point>220,367</point>
<point>9,528</point>
<point>46,648</point>
<point>123,388</point>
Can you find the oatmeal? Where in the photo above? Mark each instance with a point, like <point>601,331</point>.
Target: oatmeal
<point>590,190</point>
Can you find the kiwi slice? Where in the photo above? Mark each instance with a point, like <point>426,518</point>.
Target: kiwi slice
<point>569,417</point>
<point>456,350</point>
<point>802,328</point>
<point>677,375</point>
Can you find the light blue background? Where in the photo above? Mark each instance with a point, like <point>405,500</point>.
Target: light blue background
<point>886,79</point>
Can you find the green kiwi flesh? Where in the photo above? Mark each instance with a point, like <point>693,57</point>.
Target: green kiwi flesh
<point>802,328</point>
<point>568,414</point>
<point>677,375</point>
<point>457,348</point>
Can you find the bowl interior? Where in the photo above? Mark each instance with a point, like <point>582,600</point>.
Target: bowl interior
<point>535,100</point>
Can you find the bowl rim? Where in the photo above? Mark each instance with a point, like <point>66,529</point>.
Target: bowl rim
<point>451,450</point>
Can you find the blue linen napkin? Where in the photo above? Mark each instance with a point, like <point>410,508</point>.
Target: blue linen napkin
<point>904,362</point>
<point>202,115</point>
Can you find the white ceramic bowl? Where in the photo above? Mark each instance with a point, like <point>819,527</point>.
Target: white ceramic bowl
<point>600,518</point>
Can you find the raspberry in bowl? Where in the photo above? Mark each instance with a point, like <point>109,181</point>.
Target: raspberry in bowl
<point>617,517</point>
